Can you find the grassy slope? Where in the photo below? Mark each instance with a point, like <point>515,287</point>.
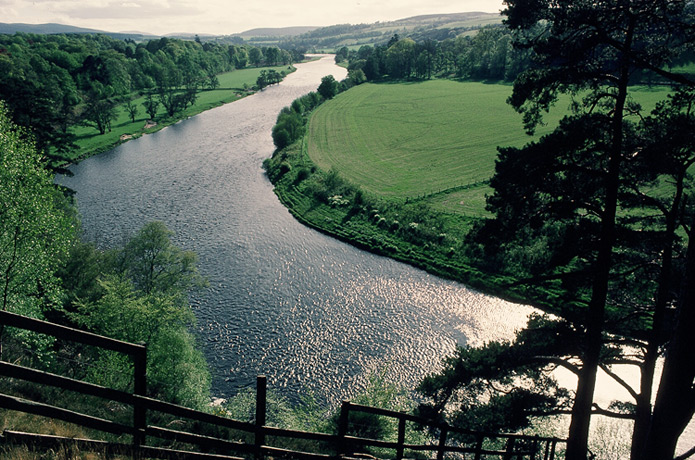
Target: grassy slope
<point>231,88</point>
<point>436,139</point>
<point>415,139</point>
<point>401,144</point>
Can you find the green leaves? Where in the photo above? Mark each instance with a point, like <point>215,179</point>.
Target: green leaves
<point>502,385</point>
<point>328,87</point>
<point>139,293</point>
<point>35,232</point>
<point>156,265</point>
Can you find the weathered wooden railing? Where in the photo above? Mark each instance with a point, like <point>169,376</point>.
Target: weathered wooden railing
<point>334,445</point>
<point>505,446</point>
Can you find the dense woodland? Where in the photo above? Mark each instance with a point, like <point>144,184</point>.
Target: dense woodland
<point>51,83</point>
<point>596,217</point>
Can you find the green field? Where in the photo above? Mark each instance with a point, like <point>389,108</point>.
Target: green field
<point>424,139</point>
<point>233,86</point>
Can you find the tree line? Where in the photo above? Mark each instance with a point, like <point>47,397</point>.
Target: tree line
<point>489,54</point>
<point>53,82</point>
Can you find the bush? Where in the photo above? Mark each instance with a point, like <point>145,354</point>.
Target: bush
<point>281,138</point>
<point>302,174</point>
<point>289,128</point>
<point>328,87</point>
<point>141,295</point>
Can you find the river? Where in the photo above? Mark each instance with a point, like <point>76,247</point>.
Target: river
<point>309,312</point>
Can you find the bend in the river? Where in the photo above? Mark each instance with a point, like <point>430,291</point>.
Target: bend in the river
<point>310,312</point>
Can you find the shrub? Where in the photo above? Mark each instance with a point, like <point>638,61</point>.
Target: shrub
<point>338,200</point>
<point>284,168</point>
<point>302,174</point>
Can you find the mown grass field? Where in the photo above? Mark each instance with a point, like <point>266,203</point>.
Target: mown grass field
<point>232,87</point>
<point>436,139</point>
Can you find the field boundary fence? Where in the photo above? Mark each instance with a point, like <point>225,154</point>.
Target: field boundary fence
<point>232,439</point>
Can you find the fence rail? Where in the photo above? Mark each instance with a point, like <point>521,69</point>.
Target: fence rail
<point>343,444</point>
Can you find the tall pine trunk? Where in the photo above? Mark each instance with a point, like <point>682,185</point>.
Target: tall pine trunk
<point>643,411</point>
<point>578,438</point>
<point>675,402</point>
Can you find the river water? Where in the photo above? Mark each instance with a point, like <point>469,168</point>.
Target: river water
<point>309,312</point>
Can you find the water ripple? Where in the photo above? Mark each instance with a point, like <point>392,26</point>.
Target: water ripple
<point>310,312</point>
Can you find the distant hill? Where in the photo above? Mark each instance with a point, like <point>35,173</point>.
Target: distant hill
<point>187,36</point>
<point>45,29</point>
<point>433,26</point>
<point>277,32</point>
<point>52,28</point>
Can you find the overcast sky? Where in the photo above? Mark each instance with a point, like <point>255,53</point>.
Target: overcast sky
<point>223,17</point>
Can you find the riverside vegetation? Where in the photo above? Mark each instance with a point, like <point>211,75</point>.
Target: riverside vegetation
<point>137,292</point>
<point>598,232</point>
<point>79,95</point>
<point>403,169</point>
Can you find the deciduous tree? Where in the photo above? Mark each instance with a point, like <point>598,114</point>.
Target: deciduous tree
<point>35,229</point>
<point>328,87</point>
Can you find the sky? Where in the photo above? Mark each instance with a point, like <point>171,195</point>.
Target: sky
<point>224,17</point>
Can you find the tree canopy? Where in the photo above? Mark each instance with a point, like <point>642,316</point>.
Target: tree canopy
<point>52,82</point>
<point>35,229</point>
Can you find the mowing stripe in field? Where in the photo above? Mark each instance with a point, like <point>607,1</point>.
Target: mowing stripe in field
<point>413,139</point>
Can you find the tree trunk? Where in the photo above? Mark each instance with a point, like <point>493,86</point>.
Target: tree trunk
<point>675,401</point>
<point>578,438</point>
<point>656,337</point>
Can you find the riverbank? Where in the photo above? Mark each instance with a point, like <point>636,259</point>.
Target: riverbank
<point>403,170</point>
<point>233,86</point>
<point>351,312</point>
<point>407,231</point>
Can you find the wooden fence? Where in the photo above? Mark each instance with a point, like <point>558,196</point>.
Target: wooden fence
<point>258,440</point>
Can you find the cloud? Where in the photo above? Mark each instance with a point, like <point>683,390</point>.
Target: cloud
<point>116,9</point>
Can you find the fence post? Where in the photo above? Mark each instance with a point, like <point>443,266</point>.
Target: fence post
<point>479,446</point>
<point>261,396</point>
<point>401,438</point>
<point>140,389</point>
<point>444,431</point>
<point>342,427</point>
<point>509,454</point>
<point>535,448</point>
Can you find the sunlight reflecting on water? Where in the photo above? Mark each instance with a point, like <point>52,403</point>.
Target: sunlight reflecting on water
<point>308,311</point>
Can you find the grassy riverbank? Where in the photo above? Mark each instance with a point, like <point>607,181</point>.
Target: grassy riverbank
<point>402,170</point>
<point>408,231</point>
<point>233,86</point>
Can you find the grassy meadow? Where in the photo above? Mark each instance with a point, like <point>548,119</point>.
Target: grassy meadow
<point>435,141</point>
<point>403,169</point>
<point>233,85</point>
